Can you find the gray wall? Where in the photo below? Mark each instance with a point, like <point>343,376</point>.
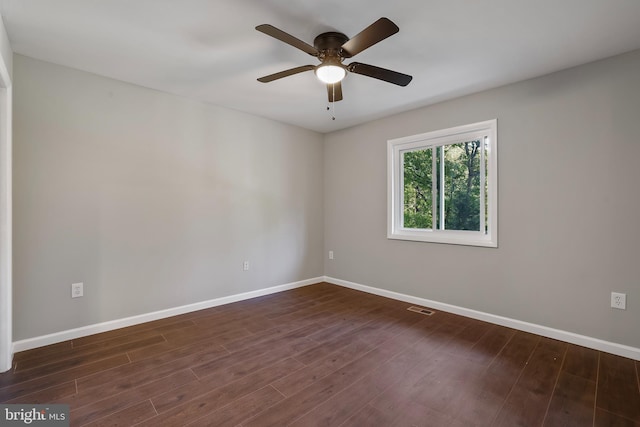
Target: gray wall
<point>569,211</point>
<point>152,200</point>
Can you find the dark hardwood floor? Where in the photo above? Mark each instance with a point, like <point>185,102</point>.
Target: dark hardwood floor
<point>330,356</point>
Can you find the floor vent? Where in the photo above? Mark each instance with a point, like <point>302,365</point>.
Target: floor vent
<point>421,310</point>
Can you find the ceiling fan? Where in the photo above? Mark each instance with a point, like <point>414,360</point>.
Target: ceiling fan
<point>332,49</point>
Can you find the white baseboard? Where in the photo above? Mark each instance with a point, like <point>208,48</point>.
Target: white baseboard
<point>148,317</point>
<point>570,337</point>
<point>582,340</point>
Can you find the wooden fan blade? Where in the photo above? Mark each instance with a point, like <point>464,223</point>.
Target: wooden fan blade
<point>380,73</point>
<point>276,33</point>
<point>374,33</point>
<point>335,92</point>
<point>286,73</point>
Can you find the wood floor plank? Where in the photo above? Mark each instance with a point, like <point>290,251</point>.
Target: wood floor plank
<point>127,417</point>
<point>616,394</point>
<point>156,326</point>
<point>124,377</point>
<point>49,350</point>
<point>322,318</point>
<point>453,385</point>
<point>120,347</point>
<point>101,345</point>
<point>505,369</point>
<point>487,348</point>
<point>346,403</point>
<point>83,358</point>
<point>251,322</point>
<point>291,299</point>
<point>528,401</point>
<point>302,378</point>
<point>418,416</point>
<point>163,348</point>
<point>320,350</point>
<point>270,336</point>
<point>286,346</point>
<point>228,321</point>
<point>347,322</point>
<point>607,419</point>
<point>29,386</point>
<point>573,402</point>
<point>467,338</point>
<point>227,372</point>
<point>427,358</point>
<point>582,362</point>
<point>241,409</point>
<point>295,406</point>
<point>215,399</point>
<point>368,415</point>
<point>61,392</point>
<point>221,336</point>
<point>191,344</point>
<point>233,369</point>
<point>94,405</point>
<point>319,303</point>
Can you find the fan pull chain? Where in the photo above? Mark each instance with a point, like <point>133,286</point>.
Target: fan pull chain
<point>333,103</point>
<point>333,113</point>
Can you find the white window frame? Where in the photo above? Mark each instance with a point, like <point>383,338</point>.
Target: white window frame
<point>395,184</point>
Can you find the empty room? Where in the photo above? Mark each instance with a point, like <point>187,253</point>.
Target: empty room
<point>319,213</point>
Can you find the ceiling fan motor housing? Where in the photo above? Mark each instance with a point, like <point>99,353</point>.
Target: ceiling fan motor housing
<point>329,47</point>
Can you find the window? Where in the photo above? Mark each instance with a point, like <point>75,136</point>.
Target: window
<point>442,186</point>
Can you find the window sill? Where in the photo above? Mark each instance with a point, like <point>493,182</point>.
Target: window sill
<point>465,238</point>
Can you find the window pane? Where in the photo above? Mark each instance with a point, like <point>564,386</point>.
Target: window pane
<point>462,186</point>
<point>486,185</point>
<point>439,186</point>
<point>417,189</point>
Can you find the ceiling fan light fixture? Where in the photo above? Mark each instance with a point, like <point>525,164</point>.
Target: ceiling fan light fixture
<point>330,74</point>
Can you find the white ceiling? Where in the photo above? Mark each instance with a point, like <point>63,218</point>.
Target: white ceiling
<point>209,50</point>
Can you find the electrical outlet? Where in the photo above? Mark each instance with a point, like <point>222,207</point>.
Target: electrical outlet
<point>245,266</point>
<point>619,300</point>
<point>330,254</point>
<point>77,290</point>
